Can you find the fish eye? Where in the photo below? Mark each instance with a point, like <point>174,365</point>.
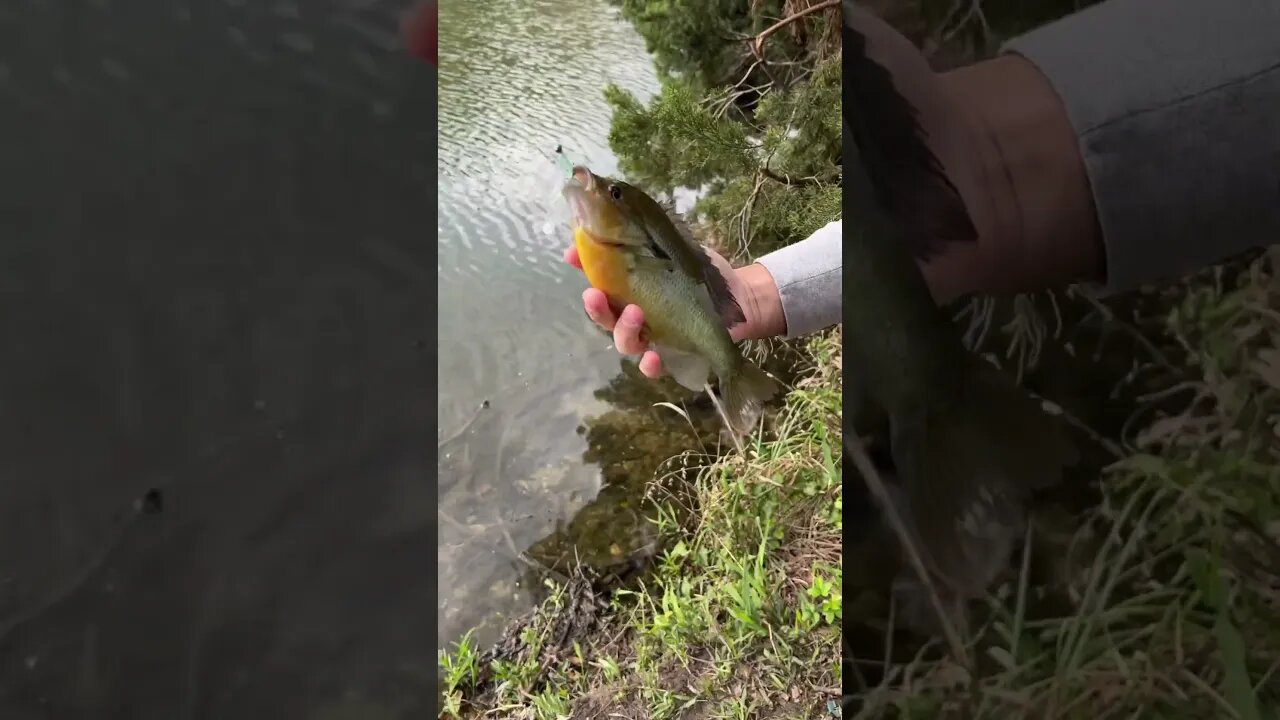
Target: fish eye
<point>615,192</point>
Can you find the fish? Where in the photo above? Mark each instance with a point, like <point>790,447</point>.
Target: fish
<point>635,251</point>
<point>969,446</point>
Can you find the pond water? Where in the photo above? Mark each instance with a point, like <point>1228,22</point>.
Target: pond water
<point>215,381</point>
<point>520,365</point>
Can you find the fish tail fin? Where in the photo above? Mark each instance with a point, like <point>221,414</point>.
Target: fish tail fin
<point>743,395</point>
<point>968,465</point>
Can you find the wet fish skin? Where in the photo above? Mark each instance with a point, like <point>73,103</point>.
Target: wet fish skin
<point>969,446</point>
<point>637,253</point>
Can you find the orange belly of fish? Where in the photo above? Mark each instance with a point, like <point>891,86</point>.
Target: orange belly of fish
<point>605,266</point>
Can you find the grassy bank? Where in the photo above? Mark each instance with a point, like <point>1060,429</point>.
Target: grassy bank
<point>1163,600</point>
<point>1160,600</point>
<point>740,617</point>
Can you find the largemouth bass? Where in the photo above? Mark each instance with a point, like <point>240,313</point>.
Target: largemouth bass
<point>633,251</point>
<point>967,443</point>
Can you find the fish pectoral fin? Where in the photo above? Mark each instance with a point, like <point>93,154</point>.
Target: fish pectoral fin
<point>688,369</point>
<point>652,264</point>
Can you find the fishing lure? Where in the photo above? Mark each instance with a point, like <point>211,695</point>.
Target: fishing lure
<point>563,162</point>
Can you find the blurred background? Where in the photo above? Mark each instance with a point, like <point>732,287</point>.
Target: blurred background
<point>215,375</point>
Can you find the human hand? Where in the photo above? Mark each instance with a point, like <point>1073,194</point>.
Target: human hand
<point>1004,140</point>
<point>752,285</point>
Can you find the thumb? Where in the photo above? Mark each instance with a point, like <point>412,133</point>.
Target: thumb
<point>420,28</point>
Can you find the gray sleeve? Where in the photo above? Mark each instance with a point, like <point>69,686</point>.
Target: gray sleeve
<point>1176,104</point>
<point>808,276</point>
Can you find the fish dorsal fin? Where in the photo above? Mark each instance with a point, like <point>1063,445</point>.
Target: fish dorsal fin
<point>908,178</point>
<point>678,222</point>
<point>722,299</point>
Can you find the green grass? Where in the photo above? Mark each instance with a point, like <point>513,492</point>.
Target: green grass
<point>740,617</point>
<point>1162,600</point>
<point>1165,602</point>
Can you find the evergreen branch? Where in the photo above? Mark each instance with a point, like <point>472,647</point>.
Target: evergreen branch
<point>811,180</point>
<point>757,43</point>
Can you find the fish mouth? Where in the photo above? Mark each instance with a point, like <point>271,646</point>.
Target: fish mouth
<point>584,177</point>
<point>607,242</point>
<point>577,192</point>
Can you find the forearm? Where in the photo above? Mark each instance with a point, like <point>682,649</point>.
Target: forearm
<point>1173,112</point>
<point>1028,191</point>
<point>797,288</point>
<point>1128,143</point>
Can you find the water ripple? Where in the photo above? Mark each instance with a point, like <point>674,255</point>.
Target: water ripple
<point>517,78</point>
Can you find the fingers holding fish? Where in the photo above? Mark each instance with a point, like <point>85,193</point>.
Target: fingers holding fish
<point>627,328</point>
<point>596,303</point>
<point>651,365</point>
<point>571,257</point>
<point>628,333</point>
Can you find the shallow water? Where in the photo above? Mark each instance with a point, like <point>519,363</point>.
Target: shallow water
<point>213,285</point>
<point>519,362</point>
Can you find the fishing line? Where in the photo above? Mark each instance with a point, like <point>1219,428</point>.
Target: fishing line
<point>733,432</point>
